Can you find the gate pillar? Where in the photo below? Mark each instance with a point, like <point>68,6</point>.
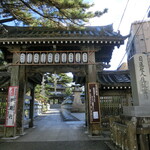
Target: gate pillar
<point>21,98</point>
<point>93,116</point>
<point>17,79</point>
<point>31,113</point>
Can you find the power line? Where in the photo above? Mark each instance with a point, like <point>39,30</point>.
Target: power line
<point>128,45</point>
<point>123,14</point>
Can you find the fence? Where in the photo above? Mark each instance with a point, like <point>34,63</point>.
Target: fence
<point>130,133</point>
<point>111,106</point>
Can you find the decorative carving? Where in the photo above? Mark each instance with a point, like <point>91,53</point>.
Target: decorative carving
<point>101,66</point>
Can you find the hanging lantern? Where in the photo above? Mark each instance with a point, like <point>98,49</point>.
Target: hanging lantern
<point>22,58</point>
<point>64,57</point>
<point>57,58</point>
<point>43,58</point>
<point>29,58</point>
<point>85,57</point>
<point>50,58</point>
<point>36,58</point>
<point>78,57</point>
<point>70,57</point>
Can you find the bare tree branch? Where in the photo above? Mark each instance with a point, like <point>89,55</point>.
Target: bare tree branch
<point>7,20</point>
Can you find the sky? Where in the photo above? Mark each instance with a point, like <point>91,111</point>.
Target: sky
<point>135,11</point>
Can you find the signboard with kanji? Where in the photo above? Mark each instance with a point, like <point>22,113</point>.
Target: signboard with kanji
<point>94,104</point>
<point>140,79</point>
<point>11,106</point>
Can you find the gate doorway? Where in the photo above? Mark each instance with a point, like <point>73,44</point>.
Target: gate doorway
<point>32,51</point>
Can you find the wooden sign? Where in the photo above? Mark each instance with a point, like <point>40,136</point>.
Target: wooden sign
<point>94,103</point>
<point>11,108</point>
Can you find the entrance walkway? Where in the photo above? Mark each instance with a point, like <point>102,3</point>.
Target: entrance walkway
<point>52,133</point>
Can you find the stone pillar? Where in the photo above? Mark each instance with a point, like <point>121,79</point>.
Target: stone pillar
<point>140,82</point>
<point>131,134</point>
<point>77,105</point>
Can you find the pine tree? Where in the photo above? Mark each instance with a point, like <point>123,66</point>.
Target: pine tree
<point>52,13</point>
<point>55,79</point>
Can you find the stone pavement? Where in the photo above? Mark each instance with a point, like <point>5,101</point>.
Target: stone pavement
<point>53,133</point>
<point>69,116</point>
<point>55,145</point>
<point>80,116</point>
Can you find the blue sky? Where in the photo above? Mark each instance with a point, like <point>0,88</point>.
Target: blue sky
<point>135,11</point>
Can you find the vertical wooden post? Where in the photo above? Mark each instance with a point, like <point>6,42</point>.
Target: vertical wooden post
<point>31,114</point>
<point>86,106</point>
<point>18,79</point>
<point>94,128</point>
<point>21,98</point>
<point>11,131</point>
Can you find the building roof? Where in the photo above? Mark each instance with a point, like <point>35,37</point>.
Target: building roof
<point>103,38</point>
<point>94,33</point>
<point>114,78</point>
<point>109,78</point>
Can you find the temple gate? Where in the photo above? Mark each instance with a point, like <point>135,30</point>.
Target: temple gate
<point>32,51</point>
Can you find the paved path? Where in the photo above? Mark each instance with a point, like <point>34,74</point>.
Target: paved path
<point>52,133</point>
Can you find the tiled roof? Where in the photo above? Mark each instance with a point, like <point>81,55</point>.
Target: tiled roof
<point>92,31</point>
<point>114,78</point>
<point>109,78</point>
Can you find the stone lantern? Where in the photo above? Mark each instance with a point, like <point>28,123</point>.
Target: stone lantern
<point>77,105</point>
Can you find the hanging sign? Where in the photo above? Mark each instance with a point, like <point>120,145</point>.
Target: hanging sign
<point>54,57</point>
<point>78,57</point>
<point>70,58</point>
<point>43,58</point>
<point>22,58</point>
<point>85,57</point>
<point>36,58</point>
<point>94,104</point>
<point>50,58</point>
<point>29,58</point>
<point>11,108</point>
<point>64,57</point>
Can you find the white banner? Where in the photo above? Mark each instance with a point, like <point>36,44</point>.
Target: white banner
<point>11,106</point>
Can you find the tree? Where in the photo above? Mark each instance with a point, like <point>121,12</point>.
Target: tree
<point>53,13</point>
<point>38,94</point>
<point>55,79</point>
